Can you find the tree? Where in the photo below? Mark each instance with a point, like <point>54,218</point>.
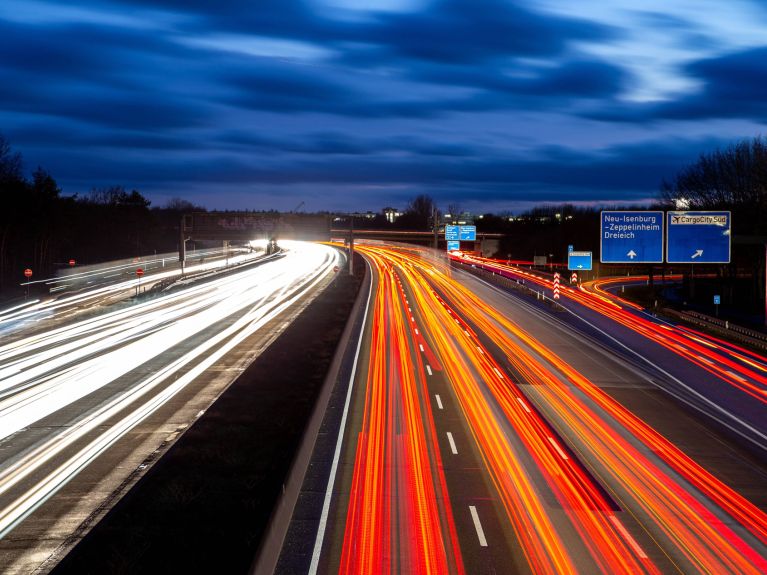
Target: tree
<point>731,179</point>
<point>10,164</point>
<point>419,212</point>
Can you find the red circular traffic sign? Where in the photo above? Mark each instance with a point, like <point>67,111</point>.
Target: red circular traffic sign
<point>139,272</point>
<point>28,273</point>
<point>72,263</point>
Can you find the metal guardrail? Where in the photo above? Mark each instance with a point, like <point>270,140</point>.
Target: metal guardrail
<point>722,327</point>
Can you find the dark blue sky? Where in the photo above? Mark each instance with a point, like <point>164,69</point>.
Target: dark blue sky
<point>491,104</point>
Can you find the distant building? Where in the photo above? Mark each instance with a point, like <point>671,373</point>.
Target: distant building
<point>464,218</point>
<point>391,214</point>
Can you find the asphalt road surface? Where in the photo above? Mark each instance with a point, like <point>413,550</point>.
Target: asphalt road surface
<point>484,433</point>
<point>87,399</point>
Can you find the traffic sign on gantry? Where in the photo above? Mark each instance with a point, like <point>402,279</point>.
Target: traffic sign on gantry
<point>453,245</point>
<point>578,261</point>
<point>631,237</point>
<point>468,233</point>
<point>698,237</point>
<point>452,233</point>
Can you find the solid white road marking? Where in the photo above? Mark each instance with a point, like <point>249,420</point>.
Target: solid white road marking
<point>735,375</point>
<point>439,401</point>
<point>453,448</point>
<point>313,566</point>
<point>478,526</point>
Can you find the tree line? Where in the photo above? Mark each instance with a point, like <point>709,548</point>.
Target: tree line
<point>42,230</point>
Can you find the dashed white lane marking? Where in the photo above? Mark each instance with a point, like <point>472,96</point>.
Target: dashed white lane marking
<point>419,345</point>
<point>708,361</point>
<point>439,400</point>
<point>412,318</point>
<point>480,350</point>
<point>498,372</point>
<point>735,375</point>
<point>416,331</point>
<point>524,405</point>
<point>428,369</point>
<point>478,526</point>
<point>627,536</point>
<point>562,454</point>
<point>450,439</point>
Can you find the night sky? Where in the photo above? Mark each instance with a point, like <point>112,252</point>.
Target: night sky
<point>490,104</point>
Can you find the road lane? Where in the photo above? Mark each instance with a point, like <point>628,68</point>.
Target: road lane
<point>71,393</point>
<point>576,481</point>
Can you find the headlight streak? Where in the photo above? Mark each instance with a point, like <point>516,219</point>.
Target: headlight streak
<point>15,317</point>
<point>287,280</point>
<point>689,510</point>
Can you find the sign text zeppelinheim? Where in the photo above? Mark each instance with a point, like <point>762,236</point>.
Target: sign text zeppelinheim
<point>624,226</point>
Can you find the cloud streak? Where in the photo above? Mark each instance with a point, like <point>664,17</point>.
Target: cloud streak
<point>491,102</point>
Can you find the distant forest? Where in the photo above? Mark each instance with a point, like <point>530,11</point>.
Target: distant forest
<point>42,230</point>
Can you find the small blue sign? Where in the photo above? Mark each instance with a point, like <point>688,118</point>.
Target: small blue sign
<point>717,299</point>
<point>631,237</point>
<point>451,233</point>
<point>468,233</point>
<point>579,261</point>
<point>698,237</point>
<point>569,248</point>
<point>453,245</point>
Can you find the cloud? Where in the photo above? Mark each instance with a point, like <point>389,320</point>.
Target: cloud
<point>731,86</point>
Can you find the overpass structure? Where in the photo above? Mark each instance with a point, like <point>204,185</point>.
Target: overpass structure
<point>248,226</point>
<point>486,242</point>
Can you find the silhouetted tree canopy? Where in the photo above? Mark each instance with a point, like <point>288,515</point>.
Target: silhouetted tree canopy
<point>734,178</point>
<point>419,213</point>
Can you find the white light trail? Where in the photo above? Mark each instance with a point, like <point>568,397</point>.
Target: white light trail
<point>181,334</point>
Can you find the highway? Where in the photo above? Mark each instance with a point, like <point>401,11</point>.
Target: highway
<point>482,434</point>
<point>84,288</point>
<point>723,380</point>
<point>92,395</point>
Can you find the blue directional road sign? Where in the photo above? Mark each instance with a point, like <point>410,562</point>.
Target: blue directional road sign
<point>578,260</point>
<point>451,233</point>
<point>631,237</point>
<point>698,237</point>
<point>453,245</point>
<point>468,233</point>
<point>717,299</point>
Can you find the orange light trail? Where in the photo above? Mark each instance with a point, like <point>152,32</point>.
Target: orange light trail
<point>564,423</point>
<point>398,479</point>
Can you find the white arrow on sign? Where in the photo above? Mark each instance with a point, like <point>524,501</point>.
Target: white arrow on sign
<point>632,254</point>
<point>697,254</point>
<point>580,266</point>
